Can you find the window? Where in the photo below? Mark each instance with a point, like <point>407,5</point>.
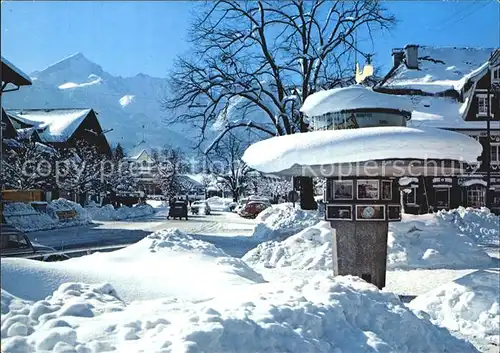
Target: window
<point>482,105</point>
<point>442,198</point>
<point>495,153</point>
<point>410,198</point>
<point>476,195</point>
<point>496,74</point>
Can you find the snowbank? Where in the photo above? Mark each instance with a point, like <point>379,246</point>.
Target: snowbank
<point>418,242</point>
<point>165,263</point>
<point>358,145</point>
<point>217,203</point>
<point>25,217</point>
<point>280,221</point>
<point>479,224</point>
<point>310,249</point>
<point>321,314</point>
<point>469,305</point>
<point>109,213</point>
<point>425,241</point>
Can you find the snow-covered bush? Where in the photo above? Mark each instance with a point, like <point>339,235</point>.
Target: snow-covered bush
<point>280,221</point>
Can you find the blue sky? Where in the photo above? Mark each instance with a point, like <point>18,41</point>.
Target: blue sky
<point>128,37</point>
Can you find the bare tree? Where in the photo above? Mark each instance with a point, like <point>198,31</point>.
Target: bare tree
<point>80,169</point>
<point>273,187</point>
<point>224,161</point>
<point>167,169</point>
<point>255,62</point>
<point>28,165</point>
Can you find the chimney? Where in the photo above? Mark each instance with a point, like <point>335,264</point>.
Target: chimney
<point>397,56</point>
<point>411,53</point>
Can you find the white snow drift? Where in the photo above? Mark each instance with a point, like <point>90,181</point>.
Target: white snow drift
<point>357,145</point>
<point>321,314</point>
<point>469,305</point>
<point>418,242</point>
<point>25,217</point>
<point>280,221</point>
<point>109,213</point>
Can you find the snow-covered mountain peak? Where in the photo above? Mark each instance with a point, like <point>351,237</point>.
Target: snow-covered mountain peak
<point>74,68</point>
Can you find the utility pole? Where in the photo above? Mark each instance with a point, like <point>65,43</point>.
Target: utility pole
<point>488,144</point>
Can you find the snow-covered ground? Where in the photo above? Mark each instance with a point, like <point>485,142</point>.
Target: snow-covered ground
<point>173,293</point>
<point>425,241</point>
<point>468,305</point>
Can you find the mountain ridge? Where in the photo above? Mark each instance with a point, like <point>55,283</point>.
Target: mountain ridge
<point>77,82</point>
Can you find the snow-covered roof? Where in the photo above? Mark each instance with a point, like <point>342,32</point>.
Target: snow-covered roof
<point>442,112</point>
<point>24,79</point>
<point>53,125</point>
<point>358,145</point>
<point>440,69</point>
<point>351,98</point>
<point>135,157</point>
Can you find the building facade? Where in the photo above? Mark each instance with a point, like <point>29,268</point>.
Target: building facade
<point>454,89</point>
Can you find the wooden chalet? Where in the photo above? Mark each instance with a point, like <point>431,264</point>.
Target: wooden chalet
<point>454,89</point>
<point>60,128</point>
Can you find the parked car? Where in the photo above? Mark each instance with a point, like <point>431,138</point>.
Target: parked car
<point>252,208</point>
<point>15,243</point>
<point>178,209</point>
<point>198,207</point>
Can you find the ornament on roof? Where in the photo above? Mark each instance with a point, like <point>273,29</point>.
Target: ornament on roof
<point>366,72</point>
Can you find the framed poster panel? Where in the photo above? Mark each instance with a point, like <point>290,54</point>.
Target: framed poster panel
<point>367,189</point>
<point>370,212</point>
<point>339,213</point>
<point>386,190</point>
<point>342,189</point>
<point>393,212</point>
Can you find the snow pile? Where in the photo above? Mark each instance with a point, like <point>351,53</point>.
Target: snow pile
<point>280,221</point>
<point>18,209</point>
<point>165,263</point>
<point>425,241</point>
<point>358,145</point>
<point>25,217</point>
<point>479,224</point>
<point>157,203</point>
<point>43,326</point>
<point>217,203</point>
<point>468,305</point>
<point>109,213</point>
<point>418,242</point>
<point>350,98</point>
<point>321,314</point>
<point>310,249</point>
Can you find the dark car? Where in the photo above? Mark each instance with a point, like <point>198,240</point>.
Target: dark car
<point>14,243</point>
<point>253,208</point>
<point>178,209</point>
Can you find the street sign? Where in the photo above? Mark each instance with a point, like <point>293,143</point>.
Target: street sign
<point>293,196</point>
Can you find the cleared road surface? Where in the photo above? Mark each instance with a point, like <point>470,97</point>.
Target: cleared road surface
<point>224,230</point>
